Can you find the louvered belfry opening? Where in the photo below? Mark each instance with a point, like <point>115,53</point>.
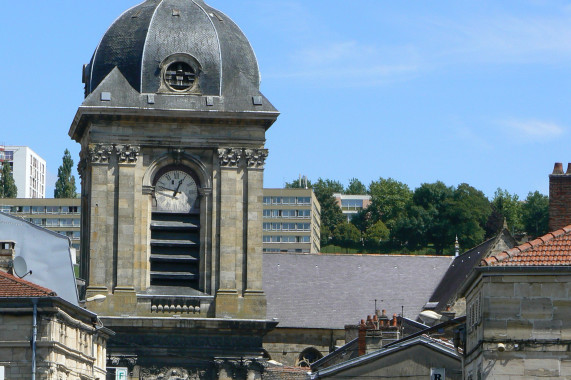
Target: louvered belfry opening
<point>175,249</point>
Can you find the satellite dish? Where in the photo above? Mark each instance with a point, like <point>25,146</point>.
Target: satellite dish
<point>20,267</point>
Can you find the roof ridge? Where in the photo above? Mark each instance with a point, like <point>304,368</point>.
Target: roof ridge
<point>19,281</point>
<point>525,247</point>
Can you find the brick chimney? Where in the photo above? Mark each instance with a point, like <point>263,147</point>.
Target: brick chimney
<point>559,197</point>
<point>7,253</point>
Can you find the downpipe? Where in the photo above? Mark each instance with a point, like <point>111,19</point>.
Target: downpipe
<point>34,337</point>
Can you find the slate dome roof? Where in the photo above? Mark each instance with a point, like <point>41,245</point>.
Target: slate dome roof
<point>146,37</point>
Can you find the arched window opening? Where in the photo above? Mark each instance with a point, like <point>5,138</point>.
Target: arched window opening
<point>308,356</point>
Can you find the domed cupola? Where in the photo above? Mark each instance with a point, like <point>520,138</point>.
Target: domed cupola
<point>176,47</point>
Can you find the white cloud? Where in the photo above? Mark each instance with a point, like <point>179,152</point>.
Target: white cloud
<point>350,64</point>
<point>500,38</point>
<point>533,129</point>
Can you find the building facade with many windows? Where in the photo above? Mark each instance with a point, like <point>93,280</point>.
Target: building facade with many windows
<point>61,215</point>
<point>28,170</point>
<point>291,221</point>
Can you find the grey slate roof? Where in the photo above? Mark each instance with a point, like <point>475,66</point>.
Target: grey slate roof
<point>449,286</point>
<point>330,291</point>
<point>146,34</point>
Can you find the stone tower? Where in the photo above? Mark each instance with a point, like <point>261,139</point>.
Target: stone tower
<point>172,134</point>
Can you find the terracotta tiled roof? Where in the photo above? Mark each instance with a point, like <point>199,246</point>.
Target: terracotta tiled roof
<point>11,286</point>
<point>553,249</point>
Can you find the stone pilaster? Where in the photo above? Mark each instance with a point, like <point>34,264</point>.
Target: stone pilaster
<point>127,220</point>
<point>254,298</point>
<point>102,178</point>
<point>231,237</point>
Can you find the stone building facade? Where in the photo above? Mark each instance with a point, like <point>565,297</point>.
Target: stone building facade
<point>517,312</point>
<point>172,134</point>
<point>41,335</point>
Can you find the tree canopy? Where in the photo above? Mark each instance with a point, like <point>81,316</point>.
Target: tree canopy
<point>65,184</point>
<point>535,214</point>
<point>428,218</point>
<point>8,187</point>
<point>355,187</point>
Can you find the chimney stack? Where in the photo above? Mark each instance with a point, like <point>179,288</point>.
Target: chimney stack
<point>7,253</point>
<point>559,197</point>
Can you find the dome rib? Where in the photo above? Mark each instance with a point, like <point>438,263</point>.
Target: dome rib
<point>219,46</point>
<point>145,46</point>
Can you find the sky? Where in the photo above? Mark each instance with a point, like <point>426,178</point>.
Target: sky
<point>473,92</point>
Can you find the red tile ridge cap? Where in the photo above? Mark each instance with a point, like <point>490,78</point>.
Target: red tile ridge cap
<point>19,281</point>
<point>525,246</point>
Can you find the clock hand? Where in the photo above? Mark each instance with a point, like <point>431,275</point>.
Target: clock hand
<point>165,193</point>
<point>178,187</point>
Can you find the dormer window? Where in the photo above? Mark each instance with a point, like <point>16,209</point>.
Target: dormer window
<point>179,74</point>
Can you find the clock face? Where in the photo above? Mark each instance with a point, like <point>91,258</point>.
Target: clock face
<point>175,191</point>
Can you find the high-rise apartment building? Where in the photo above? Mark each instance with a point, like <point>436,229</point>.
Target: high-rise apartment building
<point>28,170</point>
<point>292,221</point>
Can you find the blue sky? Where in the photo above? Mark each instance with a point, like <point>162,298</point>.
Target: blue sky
<point>457,91</point>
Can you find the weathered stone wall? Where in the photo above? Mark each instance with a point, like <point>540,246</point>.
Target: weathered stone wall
<point>119,161</point>
<point>63,349</point>
<point>284,345</point>
<point>521,327</point>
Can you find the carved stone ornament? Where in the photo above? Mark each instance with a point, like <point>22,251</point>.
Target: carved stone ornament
<point>229,157</point>
<point>129,361</point>
<point>174,373</point>
<point>256,157</point>
<point>81,167</point>
<point>238,368</point>
<point>127,154</point>
<point>100,153</point>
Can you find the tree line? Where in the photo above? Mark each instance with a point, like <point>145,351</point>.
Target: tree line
<point>427,219</point>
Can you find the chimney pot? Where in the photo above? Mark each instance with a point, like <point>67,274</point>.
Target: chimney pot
<point>568,168</point>
<point>7,254</point>
<point>384,312</point>
<point>558,168</point>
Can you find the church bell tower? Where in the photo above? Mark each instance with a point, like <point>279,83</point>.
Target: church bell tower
<point>172,134</point>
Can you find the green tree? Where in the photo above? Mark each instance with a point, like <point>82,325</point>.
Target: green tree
<point>346,235</point>
<point>510,208</point>
<point>8,187</point>
<point>467,213</point>
<point>298,184</point>
<point>389,200</point>
<point>535,214</point>
<point>376,234</point>
<point>355,187</point>
<point>331,214</point>
<point>425,221</point>
<point>65,184</point>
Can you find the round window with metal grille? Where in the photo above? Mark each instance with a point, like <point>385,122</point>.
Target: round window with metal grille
<point>180,76</point>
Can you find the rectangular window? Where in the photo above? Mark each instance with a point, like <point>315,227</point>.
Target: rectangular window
<point>267,200</point>
<point>52,209</point>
